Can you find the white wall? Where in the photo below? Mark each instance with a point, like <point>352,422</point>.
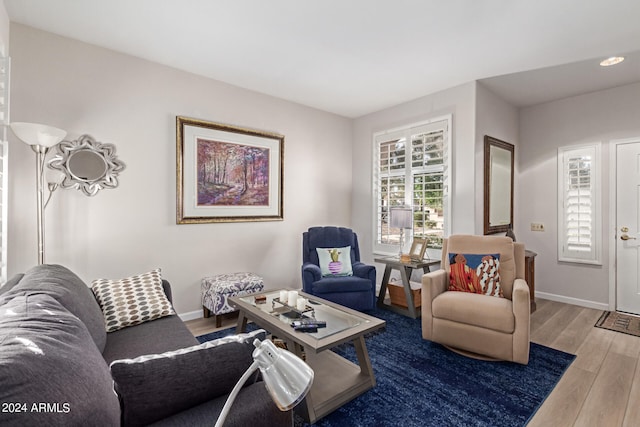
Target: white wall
<point>497,118</point>
<point>599,116</point>
<point>133,103</point>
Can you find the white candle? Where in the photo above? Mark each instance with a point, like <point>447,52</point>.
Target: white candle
<point>302,303</point>
<point>283,297</point>
<point>292,298</point>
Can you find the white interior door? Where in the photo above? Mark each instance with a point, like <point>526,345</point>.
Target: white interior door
<point>628,227</point>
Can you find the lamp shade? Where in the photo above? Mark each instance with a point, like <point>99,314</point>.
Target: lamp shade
<point>287,377</point>
<point>401,217</point>
<point>37,134</point>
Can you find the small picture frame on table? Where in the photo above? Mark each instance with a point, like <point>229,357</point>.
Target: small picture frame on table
<point>418,248</point>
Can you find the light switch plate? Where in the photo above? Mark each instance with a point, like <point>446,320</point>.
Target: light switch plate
<point>537,226</point>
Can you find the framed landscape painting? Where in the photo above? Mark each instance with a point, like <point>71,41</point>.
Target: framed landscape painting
<point>227,174</point>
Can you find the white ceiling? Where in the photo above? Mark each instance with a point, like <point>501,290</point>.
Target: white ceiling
<point>353,57</point>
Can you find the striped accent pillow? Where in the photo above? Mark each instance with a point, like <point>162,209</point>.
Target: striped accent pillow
<point>132,300</point>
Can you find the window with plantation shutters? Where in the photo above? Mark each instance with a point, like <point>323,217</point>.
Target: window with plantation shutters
<point>411,169</point>
<point>579,221</point>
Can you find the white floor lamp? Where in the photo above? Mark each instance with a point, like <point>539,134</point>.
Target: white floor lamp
<point>287,377</point>
<point>41,138</point>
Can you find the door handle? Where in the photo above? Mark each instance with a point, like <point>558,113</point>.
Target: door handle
<point>626,237</point>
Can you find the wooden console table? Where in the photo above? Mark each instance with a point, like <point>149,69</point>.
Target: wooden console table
<point>530,275</point>
<point>405,268</point>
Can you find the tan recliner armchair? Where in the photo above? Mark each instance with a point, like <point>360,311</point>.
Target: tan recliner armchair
<point>475,323</point>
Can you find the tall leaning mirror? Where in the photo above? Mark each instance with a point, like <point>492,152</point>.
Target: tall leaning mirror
<point>498,185</point>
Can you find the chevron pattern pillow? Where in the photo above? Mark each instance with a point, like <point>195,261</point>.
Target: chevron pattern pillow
<point>132,300</point>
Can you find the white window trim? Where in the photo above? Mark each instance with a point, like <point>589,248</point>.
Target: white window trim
<point>5,66</point>
<point>386,249</point>
<point>594,256</point>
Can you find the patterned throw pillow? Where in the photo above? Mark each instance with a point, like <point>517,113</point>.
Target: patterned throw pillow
<point>131,301</point>
<point>335,261</point>
<point>475,273</point>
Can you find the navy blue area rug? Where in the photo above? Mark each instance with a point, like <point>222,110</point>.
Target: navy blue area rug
<point>420,383</point>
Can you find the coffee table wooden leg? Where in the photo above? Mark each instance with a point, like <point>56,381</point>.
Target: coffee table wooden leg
<point>306,409</point>
<point>363,359</point>
<point>242,323</point>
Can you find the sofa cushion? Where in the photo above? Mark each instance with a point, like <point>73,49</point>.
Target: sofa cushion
<point>132,300</point>
<point>335,261</point>
<point>475,309</point>
<point>50,366</point>
<point>152,387</point>
<point>475,273</point>
<point>169,333</point>
<point>70,291</point>
<point>253,407</point>
<point>329,284</point>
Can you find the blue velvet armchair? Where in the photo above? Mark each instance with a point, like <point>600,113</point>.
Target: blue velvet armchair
<point>357,291</point>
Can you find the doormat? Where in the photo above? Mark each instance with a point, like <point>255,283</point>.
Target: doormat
<point>619,322</point>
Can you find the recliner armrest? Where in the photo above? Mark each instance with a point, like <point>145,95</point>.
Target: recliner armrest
<point>310,273</point>
<point>433,284</point>
<point>363,270</point>
<point>520,298</point>
<point>521,306</point>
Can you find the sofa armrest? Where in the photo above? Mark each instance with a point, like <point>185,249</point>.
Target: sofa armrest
<point>166,287</point>
<point>433,284</point>
<point>153,387</point>
<point>522,313</point>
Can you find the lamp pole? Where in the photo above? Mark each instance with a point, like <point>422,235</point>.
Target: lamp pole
<point>41,152</point>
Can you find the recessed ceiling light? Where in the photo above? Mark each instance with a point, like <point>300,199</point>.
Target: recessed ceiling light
<point>611,61</point>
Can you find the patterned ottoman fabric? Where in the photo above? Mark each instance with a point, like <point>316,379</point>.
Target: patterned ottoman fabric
<point>216,290</point>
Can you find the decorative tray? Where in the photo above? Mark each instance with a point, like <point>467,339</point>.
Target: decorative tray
<point>307,308</point>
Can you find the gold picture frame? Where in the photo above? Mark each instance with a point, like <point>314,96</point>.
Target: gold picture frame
<point>418,248</point>
<point>227,173</point>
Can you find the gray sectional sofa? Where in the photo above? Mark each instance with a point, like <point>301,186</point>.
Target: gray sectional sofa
<point>58,366</point>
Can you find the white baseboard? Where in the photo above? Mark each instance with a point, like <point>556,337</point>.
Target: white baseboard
<point>574,301</point>
<point>192,315</point>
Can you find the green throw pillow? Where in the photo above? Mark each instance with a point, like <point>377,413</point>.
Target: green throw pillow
<point>335,261</point>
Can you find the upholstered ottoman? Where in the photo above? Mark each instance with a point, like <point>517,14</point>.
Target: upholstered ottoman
<point>217,289</point>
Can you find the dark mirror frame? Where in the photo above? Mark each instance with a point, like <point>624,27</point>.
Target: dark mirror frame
<point>488,143</point>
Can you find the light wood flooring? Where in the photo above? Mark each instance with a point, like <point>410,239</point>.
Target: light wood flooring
<point>600,388</point>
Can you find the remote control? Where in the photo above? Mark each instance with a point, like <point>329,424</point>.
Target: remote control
<point>309,322</point>
<point>305,328</point>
